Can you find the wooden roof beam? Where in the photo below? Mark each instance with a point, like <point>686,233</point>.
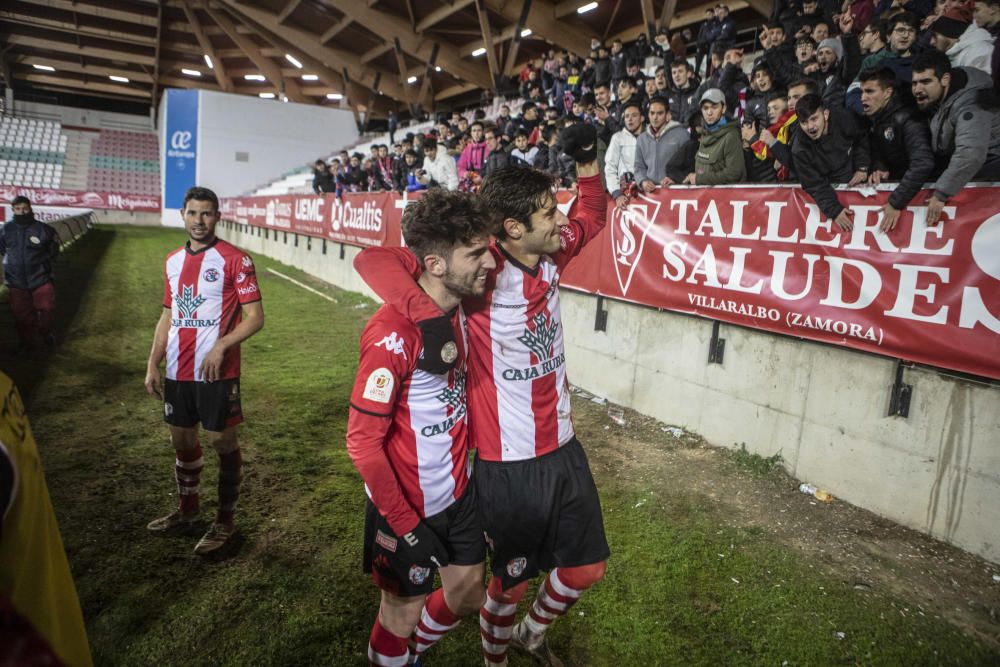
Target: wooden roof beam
<point>218,68</point>
<point>83,31</point>
<point>441,13</point>
<point>124,90</point>
<point>77,50</point>
<point>99,9</point>
<point>543,24</point>
<point>488,44</point>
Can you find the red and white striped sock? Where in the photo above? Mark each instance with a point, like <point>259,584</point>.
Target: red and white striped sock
<point>187,470</point>
<point>560,590</point>
<point>436,620</point>
<point>496,619</point>
<point>386,649</point>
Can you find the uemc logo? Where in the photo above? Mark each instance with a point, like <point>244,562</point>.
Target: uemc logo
<point>180,140</point>
<point>629,230</point>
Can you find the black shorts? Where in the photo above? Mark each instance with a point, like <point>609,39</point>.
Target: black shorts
<point>216,405</point>
<point>540,513</point>
<point>385,559</point>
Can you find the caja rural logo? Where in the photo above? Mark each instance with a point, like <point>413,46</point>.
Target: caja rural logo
<point>629,230</point>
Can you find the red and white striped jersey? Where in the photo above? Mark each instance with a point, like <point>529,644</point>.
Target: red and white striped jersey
<point>407,432</point>
<point>519,406</point>
<point>204,290</point>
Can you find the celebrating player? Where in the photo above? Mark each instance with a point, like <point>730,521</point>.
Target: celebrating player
<point>211,304</point>
<point>536,494</point>
<point>408,438</point>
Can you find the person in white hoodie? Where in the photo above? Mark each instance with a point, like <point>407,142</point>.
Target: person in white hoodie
<point>620,157</point>
<point>965,43</point>
<point>439,167</point>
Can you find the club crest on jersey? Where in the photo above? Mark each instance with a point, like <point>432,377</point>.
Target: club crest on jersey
<point>240,278</point>
<point>393,343</point>
<point>385,541</point>
<point>210,275</point>
<point>454,397</point>
<point>378,388</point>
<point>515,566</point>
<point>540,337</point>
<point>418,575</point>
<point>247,262</point>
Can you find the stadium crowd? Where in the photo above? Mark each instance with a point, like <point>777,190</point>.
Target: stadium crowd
<point>859,92</point>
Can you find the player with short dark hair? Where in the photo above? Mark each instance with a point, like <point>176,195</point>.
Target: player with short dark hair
<point>211,304</point>
<point>537,497</point>
<point>407,435</point>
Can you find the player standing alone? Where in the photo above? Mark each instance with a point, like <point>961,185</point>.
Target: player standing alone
<point>211,304</point>
<point>537,497</point>
<point>407,436</point>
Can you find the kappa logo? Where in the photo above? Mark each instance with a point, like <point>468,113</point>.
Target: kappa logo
<point>187,301</point>
<point>629,230</point>
<point>168,409</point>
<point>180,140</point>
<point>540,336</point>
<point>211,275</point>
<point>393,343</point>
<point>515,566</point>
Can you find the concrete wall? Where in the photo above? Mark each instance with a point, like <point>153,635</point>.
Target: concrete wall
<point>106,120</point>
<point>823,408</point>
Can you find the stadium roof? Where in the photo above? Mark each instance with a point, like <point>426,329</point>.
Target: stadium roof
<point>377,54</point>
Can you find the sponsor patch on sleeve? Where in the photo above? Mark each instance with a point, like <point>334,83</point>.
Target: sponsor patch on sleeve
<point>379,386</point>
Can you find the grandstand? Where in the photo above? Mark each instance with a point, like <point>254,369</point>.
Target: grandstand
<point>32,152</point>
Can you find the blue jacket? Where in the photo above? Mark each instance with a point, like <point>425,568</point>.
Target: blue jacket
<point>28,253</point>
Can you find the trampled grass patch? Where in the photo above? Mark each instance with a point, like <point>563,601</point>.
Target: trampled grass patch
<point>684,586</point>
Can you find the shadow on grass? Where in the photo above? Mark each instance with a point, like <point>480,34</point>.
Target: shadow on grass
<point>74,269</point>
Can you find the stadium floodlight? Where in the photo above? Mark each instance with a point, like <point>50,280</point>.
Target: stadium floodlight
<point>45,68</point>
<point>412,79</point>
<point>478,52</point>
<point>310,77</point>
<point>526,32</point>
<point>437,68</point>
<point>590,6</point>
<point>190,72</point>
<point>284,98</point>
<point>266,96</point>
<point>334,96</point>
<point>290,58</point>
<point>254,77</point>
<point>119,79</point>
<point>208,61</point>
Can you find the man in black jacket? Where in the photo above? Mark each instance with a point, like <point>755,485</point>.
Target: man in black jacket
<point>29,248</point>
<point>322,180</point>
<point>900,142</point>
<point>831,148</point>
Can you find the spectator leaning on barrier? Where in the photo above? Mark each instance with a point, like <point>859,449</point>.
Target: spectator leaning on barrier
<point>831,148</point>
<point>439,167</point>
<point>322,180</point>
<point>719,160</point>
<point>620,158</point>
<point>656,145</point>
<point>965,44</point>
<point>987,16</point>
<point>900,142</point>
<point>965,125</point>
<point>29,248</point>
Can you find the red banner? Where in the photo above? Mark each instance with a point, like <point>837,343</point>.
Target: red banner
<point>762,257</point>
<point>767,258</point>
<point>79,199</point>
<point>358,219</point>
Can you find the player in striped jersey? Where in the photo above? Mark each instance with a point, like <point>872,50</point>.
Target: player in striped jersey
<point>211,304</point>
<point>407,435</point>
<point>537,497</point>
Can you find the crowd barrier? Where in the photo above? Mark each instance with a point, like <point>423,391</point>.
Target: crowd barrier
<point>757,256</point>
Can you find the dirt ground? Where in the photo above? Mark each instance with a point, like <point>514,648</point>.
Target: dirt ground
<point>849,543</point>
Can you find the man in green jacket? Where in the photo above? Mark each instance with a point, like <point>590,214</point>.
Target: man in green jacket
<point>719,160</point>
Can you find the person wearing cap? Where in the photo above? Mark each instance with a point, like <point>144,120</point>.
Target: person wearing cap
<point>719,160</point>
<point>965,44</point>
<point>900,142</point>
<point>987,16</point>
<point>965,135</point>
<point>29,248</point>
<point>832,147</point>
<point>656,145</point>
<point>827,72</point>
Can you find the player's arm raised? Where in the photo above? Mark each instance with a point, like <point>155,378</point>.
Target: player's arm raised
<point>590,212</point>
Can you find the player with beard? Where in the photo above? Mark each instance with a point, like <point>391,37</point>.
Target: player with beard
<point>537,497</point>
<point>408,437</point>
<point>211,304</point>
